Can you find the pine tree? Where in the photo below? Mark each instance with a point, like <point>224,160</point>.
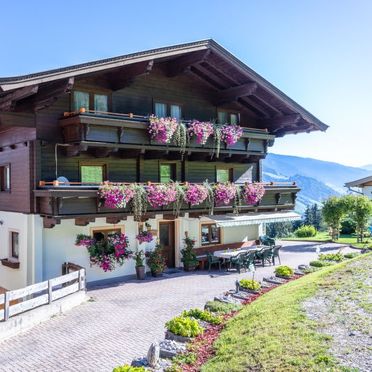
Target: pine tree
<point>316,216</point>
<point>308,220</point>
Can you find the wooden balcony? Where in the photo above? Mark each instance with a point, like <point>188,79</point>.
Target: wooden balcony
<point>82,203</point>
<point>112,132</point>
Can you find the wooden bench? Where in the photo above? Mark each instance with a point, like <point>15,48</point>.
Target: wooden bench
<point>201,252</point>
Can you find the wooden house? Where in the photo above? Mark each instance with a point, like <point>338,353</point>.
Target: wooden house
<point>65,131</point>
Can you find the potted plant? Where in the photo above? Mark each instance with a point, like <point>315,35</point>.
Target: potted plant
<point>139,257</point>
<point>156,261</point>
<point>188,255</point>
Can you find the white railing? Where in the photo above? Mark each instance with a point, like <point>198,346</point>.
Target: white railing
<point>20,300</point>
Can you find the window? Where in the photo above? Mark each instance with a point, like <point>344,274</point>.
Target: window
<point>90,101</point>
<point>224,175</point>
<point>101,233</point>
<point>5,178</point>
<point>92,173</point>
<point>14,245</point>
<point>210,234</point>
<point>167,172</point>
<point>100,102</point>
<point>163,109</point>
<point>228,117</point>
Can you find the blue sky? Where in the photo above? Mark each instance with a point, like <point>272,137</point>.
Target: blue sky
<point>318,52</point>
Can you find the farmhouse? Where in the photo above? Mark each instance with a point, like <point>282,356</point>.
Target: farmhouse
<point>64,132</point>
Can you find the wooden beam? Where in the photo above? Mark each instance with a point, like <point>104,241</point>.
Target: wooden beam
<point>280,122</point>
<point>13,119</point>
<point>181,64</point>
<point>103,152</point>
<point>8,102</point>
<point>50,222</point>
<point>209,76</point>
<point>257,107</point>
<point>232,94</point>
<point>83,221</point>
<point>113,220</point>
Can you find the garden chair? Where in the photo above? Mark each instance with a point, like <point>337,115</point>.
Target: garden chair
<point>266,240</point>
<point>264,255</point>
<point>237,262</point>
<point>275,253</point>
<point>249,260</point>
<point>213,260</point>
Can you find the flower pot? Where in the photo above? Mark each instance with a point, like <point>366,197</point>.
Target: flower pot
<point>189,267</point>
<point>156,274</point>
<point>140,272</point>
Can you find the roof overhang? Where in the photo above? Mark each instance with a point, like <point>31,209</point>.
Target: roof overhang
<point>253,219</point>
<point>359,183</point>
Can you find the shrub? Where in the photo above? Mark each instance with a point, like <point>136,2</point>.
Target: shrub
<point>351,255</point>
<point>221,307</point>
<point>311,269</point>
<point>128,368</point>
<point>337,257</point>
<point>306,231</point>
<point>184,326</point>
<point>205,315</point>
<point>348,226</point>
<point>250,284</point>
<point>285,271</point>
<point>318,263</point>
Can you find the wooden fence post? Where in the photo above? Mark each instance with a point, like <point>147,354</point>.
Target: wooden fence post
<point>6,306</point>
<point>50,292</point>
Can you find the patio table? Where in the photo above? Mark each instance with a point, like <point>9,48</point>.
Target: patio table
<point>228,253</point>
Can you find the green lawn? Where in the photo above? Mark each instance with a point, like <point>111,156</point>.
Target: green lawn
<point>347,239</point>
<point>274,334</point>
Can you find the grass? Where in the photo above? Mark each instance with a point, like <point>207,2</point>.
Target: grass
<point>323,236</point>
<point>274,334</point>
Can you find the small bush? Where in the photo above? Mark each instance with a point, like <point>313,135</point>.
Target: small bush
<point>205,315</point>
<point>250,284</point>
<point>318,263</point>
<point>348,226</point>
<point>184,326</point>
<point>306,231</point>
<point>285,271</point>
<point>128,368</point>
<point>221,307</point>
<point>336,257</point>
<point>351,255</point>
<point>311,269</point>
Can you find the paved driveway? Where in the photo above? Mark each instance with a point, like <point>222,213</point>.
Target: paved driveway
<point>120,322</point>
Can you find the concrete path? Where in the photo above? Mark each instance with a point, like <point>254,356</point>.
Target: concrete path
<point>120,322</point>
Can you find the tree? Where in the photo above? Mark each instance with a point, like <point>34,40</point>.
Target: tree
<point>279,229</point>
<point>360,211</point>
<point>334,209</point>
<point>316,216</point>
<point>308,220</point>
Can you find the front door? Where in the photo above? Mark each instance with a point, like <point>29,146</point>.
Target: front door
<point>166,237</point>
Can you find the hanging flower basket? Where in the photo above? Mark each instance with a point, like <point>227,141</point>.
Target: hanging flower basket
<point>161,195</point>
<point>162,130</point>
<point>252,193</point>
<point>230,134</point>
<point>115,196</point>
<point>108,252</point>
<point>195,194</point>
<point>145,237</point>
<point>201,130</point>
<point>224,193</point>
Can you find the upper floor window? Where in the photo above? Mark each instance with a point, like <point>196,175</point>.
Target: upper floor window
<point>90,101</point>
<point>228,117</point>
<point>210,234</point>
<point>224,175</point>
<point>14,245</point>
<point>5,177</point>
<point>167,172</point>
<point>92,173</point>
<point>164,109</point>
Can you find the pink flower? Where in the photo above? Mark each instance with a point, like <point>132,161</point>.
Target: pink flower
<point>195,194</point>
<point>230,134</point>
<point>224,193</point>
<point>144,237</point>
<point>253,192</point>
<point>202,131</point>
<point>162,130</point>
<point>116,196</point>
<point>161,195</point>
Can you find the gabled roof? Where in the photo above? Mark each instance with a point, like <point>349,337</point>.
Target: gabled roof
<point>221,69</point>
<point>359,183</point>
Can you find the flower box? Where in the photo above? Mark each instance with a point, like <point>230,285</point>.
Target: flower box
<point>10,263</point>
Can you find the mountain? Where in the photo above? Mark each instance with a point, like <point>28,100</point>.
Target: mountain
<point>368,167</point>
<point>317,179</point>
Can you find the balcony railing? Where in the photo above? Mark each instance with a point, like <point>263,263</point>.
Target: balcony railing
<point>127,131</point>
<point>76,200</point>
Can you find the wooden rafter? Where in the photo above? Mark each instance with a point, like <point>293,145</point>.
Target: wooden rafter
<point>232,94</point>
<point>208,75</point>
<point>181,64</point>
<point>8,102</point>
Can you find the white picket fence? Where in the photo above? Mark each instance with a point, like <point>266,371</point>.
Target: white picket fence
<point>20,300</point>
